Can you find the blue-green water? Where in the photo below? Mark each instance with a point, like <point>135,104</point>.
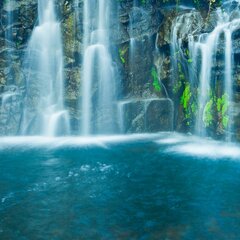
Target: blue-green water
<point>144,187</point>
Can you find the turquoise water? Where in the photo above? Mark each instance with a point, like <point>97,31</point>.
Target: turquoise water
<point>141,187</point>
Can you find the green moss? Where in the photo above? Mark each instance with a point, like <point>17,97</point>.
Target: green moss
<point>189,105</point>
<point>122,52</point>
<point>194,108</point>
<point>225,121</point>
<point>222,108</point>
<point>181,77</point>
<point>208,113</point>
<point>187,99</point>
<point>181,74</point>
<point>177,87</point>
<point>156,83</point>
<point>188,57</point>
<point>186,96</point>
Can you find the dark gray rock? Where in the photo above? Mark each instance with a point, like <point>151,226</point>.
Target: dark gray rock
<point>149,115</point>
<point>10,110</point>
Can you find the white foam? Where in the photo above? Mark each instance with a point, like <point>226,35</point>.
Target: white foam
<point>200,147</point>
<point>173,142</point>
<point>55,142</point>
<point>213,150</point>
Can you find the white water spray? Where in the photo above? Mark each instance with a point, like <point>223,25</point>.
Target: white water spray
<point>45,77</point>
<point>99,76</point>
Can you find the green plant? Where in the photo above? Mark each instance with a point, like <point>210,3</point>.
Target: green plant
<point>156,83</point>
<point>222,108</point>
<point>187,55</point>
<point>189,104</point>
<point>122,51</point>
<point>181,79</point>
<point>177,86</point>
<point>185,98</point>
<point>208,113</point>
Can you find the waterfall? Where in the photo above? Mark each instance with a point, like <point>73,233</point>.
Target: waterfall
<point>208,45</point>
<point>203,53</point>
<point>44,112</point>
<point>98,115</point>
<point>228,78</point>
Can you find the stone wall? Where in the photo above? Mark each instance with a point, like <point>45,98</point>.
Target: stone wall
<point>146,74</point>
<point>178,79</point>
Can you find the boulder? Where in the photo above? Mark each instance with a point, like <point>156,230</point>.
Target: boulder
<point>148,115</point>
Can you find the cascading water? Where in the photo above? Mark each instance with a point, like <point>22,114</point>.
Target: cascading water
<point>179,30</point>
<point>208,46</point>
<point>99,75</point>
<point>203,55</point>
<point>44,112</point>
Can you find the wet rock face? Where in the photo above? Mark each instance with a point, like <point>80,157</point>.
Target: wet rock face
<point>137,68</point>
<point>17,22</point>
<point>11,109</point>
<point>159,115</point>
<point>135,51</point>
<point>198,23</point>
<point>149,116</point>
<point>139,25</point>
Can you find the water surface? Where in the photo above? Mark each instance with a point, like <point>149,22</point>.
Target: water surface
<point>140,187</point>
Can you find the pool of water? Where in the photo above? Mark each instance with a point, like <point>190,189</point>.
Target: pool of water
<point>164,186</point>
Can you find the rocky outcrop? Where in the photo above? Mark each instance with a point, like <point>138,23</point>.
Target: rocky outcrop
<point>11,110</point>
<point>184,89</point>
<point>141,38</point>
<point>146,116</point>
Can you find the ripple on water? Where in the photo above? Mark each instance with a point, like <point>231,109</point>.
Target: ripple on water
<point>7,197</point>
<point>157,192</point>
<point>51,162</point>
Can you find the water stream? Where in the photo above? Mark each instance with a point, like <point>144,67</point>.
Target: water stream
<point>44,112</point>
<point>208,46</point>
<point>101,184</point>
<point>204,50</point>
<point>99,74</point>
